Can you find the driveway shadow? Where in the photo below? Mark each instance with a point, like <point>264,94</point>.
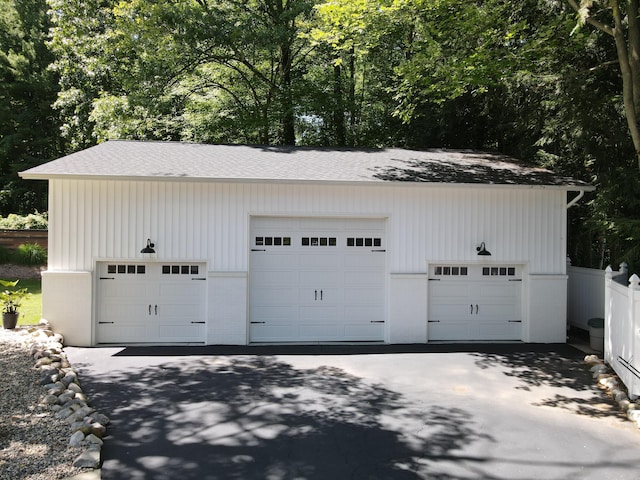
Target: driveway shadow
<point>246,417</point>
<point>562,369</point>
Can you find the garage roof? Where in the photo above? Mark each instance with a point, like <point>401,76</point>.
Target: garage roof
<point>125,159</point>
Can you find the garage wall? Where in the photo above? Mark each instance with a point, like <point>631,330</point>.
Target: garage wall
<point>95,219</point>
<point>67,305</point>
<point>209,221</point>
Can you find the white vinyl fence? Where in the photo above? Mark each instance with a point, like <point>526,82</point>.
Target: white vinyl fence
<point>622,329</point>
<point>585,295</point>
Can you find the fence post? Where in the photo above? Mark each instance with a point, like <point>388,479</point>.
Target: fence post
<point>608,278</point>
<point>634,321</point>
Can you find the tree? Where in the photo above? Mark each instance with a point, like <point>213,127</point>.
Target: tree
<point>79,32</point>
<point>621,20</point>
<point>28,125</point>
<point>187,69</point>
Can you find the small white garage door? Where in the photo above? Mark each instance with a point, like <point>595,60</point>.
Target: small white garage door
<point>151,302</point>
<point>475,302</point>
<point>317,279</point>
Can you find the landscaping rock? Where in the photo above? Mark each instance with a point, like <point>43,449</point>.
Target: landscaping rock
<point>98,429</point>
<point>76,439</point>
<point>633,415</point>
<point>74,387</point>
<point>70,377</point>
<point>64,413</point>
<point>592,360</point>
<point>65,397</point>
<point>50,399</point>
<point>91,439</point>
<point>88,459</point>
<point>82,426</point>
<point>608,381</point>
<point>100,418</point>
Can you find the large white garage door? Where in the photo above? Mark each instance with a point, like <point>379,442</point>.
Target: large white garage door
<point>317,280</point>
<point>476,302</point>
<point>151,302</point>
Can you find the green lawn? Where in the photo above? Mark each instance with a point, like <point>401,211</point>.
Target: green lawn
<point>31,308</point>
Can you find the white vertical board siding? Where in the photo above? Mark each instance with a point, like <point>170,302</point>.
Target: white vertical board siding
<point>91,219</point>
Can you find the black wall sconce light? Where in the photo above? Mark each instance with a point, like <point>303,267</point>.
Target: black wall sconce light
<point>482,250</point>
<point>149,247</point>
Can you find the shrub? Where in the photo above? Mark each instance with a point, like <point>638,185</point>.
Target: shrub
<point>5,255</point>
<point>33,221</point>
<point>30,254</point>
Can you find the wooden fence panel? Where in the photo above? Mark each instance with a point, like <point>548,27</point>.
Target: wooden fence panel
<point>12,239</point>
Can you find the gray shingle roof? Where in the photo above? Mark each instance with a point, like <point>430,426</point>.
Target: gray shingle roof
<point>175,160</point>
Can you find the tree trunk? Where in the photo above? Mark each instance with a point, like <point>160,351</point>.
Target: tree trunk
<point>287,114</point>
<point>628,59</point>
<point>338,110</point>
<point>352,93</point>
<point>629,83</point>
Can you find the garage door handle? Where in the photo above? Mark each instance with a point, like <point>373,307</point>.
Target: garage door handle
<point>376,321</point>
<point>320,294</point>
<point>476,308</point>
<point>471,312</point>
<point>258,249</point>
<point>149,309</point>
<point>197,322</point>
<point>515,279</point>
<point>433,321</point>
<point>316,294</point>
<point>259,322</point>
<point>156,309</point>
<point>107,278</point>
<point>515,321</point>
<point>378,250</point>
<point>199,278</point>
<point>102,323</point>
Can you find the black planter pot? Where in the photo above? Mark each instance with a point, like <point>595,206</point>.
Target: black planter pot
<point>10,320</point>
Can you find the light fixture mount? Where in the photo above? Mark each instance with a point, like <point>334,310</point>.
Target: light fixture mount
<point>149,247</point>
<point>482,250</point>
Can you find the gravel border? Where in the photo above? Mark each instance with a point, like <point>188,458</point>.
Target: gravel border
<point>47,430</point>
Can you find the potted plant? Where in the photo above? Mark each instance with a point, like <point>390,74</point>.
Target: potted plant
<point>10,301</point>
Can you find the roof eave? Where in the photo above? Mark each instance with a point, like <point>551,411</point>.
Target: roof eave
<point>44,176</point>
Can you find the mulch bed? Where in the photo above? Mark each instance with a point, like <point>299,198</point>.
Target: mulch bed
<point>10,271</point>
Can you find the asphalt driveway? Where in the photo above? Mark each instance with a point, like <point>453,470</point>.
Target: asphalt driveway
<point>378,412</point>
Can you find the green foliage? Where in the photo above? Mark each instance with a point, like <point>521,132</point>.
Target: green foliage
<point>154,70</point>
<point>32,221</point>
<point>30,254</point>
<point>31,306</point>
<point>11,298</point>
<point>28,126</point>
<point>515,77</point>
<point>5,254</point>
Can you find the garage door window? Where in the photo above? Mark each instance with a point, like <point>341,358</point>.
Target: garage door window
<point>126,269</point>
<point>449,270</point>
<point>273,241</point>
<point>498,271</point>
<point>364,242</point>
<point>319,242</point>
<point>180,270</point>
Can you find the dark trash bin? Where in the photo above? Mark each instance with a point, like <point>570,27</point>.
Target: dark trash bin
<point>596,333</point>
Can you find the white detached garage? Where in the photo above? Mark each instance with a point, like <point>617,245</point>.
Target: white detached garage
<point>177,243</point>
